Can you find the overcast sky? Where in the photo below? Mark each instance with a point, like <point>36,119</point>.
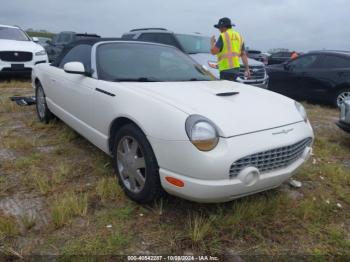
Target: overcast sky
<point>295,24</point>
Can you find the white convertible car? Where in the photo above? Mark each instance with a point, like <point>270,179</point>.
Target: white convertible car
<point>168,125</point>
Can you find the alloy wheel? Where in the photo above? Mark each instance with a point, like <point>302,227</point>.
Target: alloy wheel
<point>342,97</point>
<point>131,164</point>
<point>41,104</point>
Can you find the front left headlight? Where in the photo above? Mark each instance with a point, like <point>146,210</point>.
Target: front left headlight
<point>301,110</point>
<point>42,52</point>
<point>202,132</point>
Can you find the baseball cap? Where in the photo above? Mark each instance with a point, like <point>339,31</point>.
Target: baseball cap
<point>224,22</point>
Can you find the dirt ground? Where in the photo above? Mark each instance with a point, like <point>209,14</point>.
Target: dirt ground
<point>58,196</point>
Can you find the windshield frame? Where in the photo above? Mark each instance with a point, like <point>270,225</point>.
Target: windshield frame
<point>185,48</point>
<point>16,28</point>
<point>94,65</point>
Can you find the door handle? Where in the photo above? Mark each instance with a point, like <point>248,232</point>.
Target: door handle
<point>53,80</point>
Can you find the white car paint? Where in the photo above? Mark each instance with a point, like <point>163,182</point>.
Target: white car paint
<point>253,121</point>
<point>21,46</point>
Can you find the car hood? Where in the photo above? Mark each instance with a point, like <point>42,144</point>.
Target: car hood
<point>204,58</point>
<point>252,109</point>
<point>24,46</point>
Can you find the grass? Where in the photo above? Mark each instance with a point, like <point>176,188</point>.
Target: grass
<point>110,243</point>
<point>28,221</point>
<point>199,228</point>
<point>4,185</point>
<point>89,214</point>
<point>8,227</point>
<point>40,34</point>
<point>67,206</point>
<point>108,189</point>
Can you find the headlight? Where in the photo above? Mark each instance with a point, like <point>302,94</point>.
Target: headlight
<point>202,132</point>
<point>42,52</point>
<point>301,110</point>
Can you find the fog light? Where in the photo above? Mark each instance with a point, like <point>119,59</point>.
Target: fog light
<point>249,176</point>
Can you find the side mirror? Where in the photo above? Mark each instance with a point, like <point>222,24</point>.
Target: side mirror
<point>74,68</point>
<point>35,39</point>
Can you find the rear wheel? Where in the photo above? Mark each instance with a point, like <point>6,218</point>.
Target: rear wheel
<point>135,164</point>
<point>44,114</point>
<point>341,96</point>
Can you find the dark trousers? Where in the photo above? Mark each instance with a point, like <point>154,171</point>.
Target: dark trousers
<point>230,75</point>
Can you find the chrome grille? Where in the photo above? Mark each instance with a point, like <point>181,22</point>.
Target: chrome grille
<point>256,72</point>
<point>272,159</point>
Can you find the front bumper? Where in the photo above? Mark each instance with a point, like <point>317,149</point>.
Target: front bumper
<point>262,83</point>
<point>206,175</point>
<point>11,68</point>
<point>207,191</point>
<point>344,126</point>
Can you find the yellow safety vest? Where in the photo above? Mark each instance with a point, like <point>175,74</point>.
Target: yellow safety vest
<point>228,57</point>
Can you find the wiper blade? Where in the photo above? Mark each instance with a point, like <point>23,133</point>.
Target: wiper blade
<point>139,79</point>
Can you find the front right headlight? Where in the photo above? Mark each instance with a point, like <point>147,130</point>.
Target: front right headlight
<point>202,132</point>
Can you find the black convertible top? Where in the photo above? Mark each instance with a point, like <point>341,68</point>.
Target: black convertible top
<point>92,41</point>
<point>87,41</point>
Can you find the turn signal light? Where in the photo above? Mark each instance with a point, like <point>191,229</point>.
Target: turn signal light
<point>174,181</point>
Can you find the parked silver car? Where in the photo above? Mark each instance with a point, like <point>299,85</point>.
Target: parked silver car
<point>198,47</point>
<point>344,121</point>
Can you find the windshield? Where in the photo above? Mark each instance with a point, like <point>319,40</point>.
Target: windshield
<point>194,44</point>
<point>9,33</point>
<point>145,63</point>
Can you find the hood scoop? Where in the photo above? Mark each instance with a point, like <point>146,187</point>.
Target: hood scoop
<point>227,94</point>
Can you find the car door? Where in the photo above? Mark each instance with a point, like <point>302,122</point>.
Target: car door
<point>295,75</point>
<point>313,77</point>
<point>334,72</point>
<point>283,79</point>
<point>73,92</point>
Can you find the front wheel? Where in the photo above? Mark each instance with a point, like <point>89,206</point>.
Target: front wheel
<point>44,114</point>
<point>136,165</point>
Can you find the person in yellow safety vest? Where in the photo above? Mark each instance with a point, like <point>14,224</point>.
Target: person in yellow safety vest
<point>229,49</point>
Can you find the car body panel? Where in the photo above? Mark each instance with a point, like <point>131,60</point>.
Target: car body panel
<point>226,112</point>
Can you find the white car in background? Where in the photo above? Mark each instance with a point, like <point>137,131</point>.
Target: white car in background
<point>18,52</point>
<point>168,126</point>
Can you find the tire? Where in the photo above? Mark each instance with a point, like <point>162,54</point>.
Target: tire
<point>340,96</point>
<point>136,165</point>
<point>43,112</point>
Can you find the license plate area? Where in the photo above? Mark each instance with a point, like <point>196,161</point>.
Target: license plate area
<point>17,67</point>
